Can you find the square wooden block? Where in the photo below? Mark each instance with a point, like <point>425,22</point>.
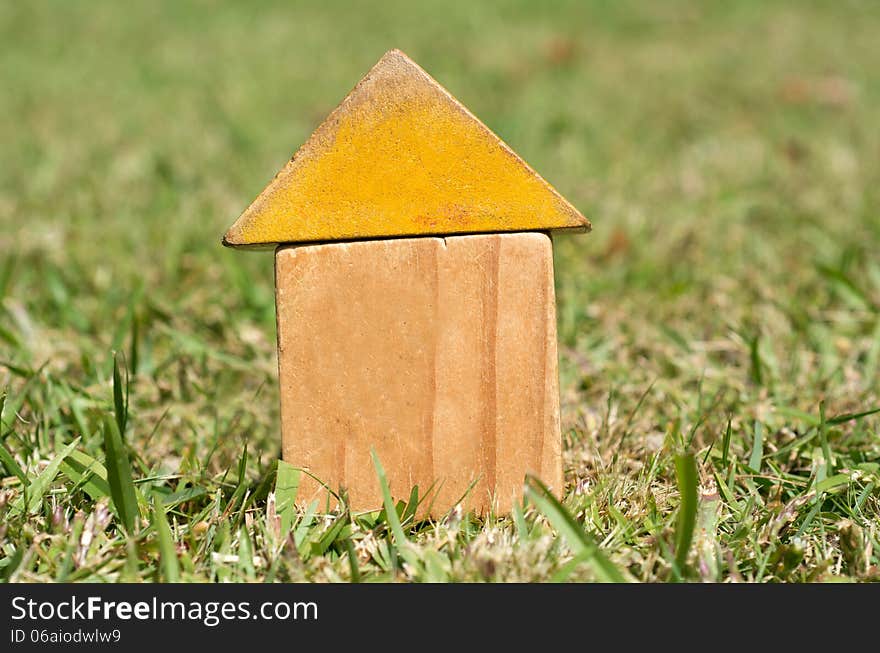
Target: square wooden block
<point>440,353</point>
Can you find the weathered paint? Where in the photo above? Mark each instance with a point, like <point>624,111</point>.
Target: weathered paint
<point>401,157</point>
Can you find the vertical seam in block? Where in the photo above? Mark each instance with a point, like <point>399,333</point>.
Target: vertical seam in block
<point>278,347</point>
<point>541,431</point>
<point>490,350</point>
<point>435,326</point>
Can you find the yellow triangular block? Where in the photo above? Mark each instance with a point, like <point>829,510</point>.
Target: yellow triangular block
<point>401,157</point>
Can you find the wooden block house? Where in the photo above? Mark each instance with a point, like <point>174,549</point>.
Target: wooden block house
<point>415,300</point>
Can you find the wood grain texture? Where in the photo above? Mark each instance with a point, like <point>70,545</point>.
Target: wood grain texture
<point>439,353</point>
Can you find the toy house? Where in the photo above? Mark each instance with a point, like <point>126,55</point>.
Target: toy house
<point>415,300</point>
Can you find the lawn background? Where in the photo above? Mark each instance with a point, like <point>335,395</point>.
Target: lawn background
<point>724,314</point>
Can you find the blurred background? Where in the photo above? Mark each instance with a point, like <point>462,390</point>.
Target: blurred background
<point>727,154</point>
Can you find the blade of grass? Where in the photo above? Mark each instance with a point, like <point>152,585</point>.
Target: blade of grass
<point>40,485</point>
<point>287,478</point>
<point>756,371</point>
<point>757,448</point>
<point>167,551</point>
<point>401,542</point>
<point>245,554</point>
<point>119,477</point>
<point>87,473</point>
<point>304,525</point>
<point>847,417</point>
<point>411,506</point>
<point>833,482</point>
<point>9,463</point>
<point>388,502</point>
<point>519,519</point>
<point>187,494</point>
<point>725,446</point>
<point>352,561</point>
<point>686,477</point>
<point>330,535</point>
<point>120,400</point>
<point>578,541</point>
<point>241,485</point>
<point>134,344</point>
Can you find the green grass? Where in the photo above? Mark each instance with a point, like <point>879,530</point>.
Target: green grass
<point>719,329</point>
